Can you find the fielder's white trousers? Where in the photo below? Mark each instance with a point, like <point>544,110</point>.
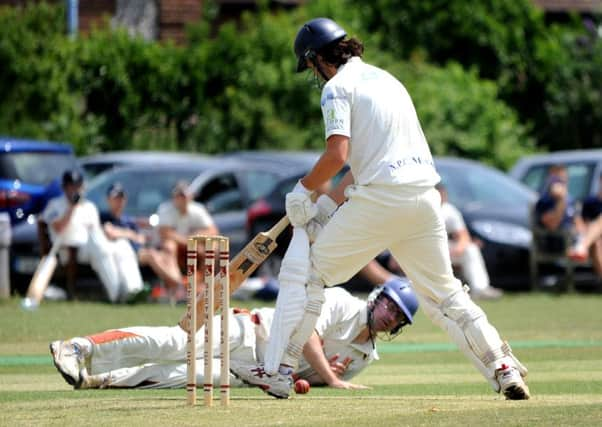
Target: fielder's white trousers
<point>155,357</point>
<point>405,220</point>
<point>473,267</point>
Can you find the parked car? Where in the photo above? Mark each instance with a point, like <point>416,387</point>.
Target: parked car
<point>30,174</point>
<point>95,164</point>
<point>495,209</point>
<point>584,168</point>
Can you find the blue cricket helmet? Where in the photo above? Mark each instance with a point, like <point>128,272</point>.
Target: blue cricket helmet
<point>314,35</point>
<point>400,291</point>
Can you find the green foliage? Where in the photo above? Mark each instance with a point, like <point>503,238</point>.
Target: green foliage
<point>36,65</point>
<point>237,89</point>
<point>462,115</point>
<point>550,79</point>
<point>573,89</point>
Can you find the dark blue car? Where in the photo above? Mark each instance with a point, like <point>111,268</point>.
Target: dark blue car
<point>30,174</point>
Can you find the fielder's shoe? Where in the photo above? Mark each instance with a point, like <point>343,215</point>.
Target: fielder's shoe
<point>276,385</point>
<point>69,360</point>
<point>512,384</point>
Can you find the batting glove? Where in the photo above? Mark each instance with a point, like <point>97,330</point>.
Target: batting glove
<point>299,207</point>
<point>326,207</point>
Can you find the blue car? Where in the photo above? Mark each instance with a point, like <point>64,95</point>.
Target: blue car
<point>30,174</point>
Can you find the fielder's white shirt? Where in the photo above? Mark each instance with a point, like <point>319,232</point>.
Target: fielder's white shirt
<point>85,216</point>
<point>342,318</point>
<point>195,218</point>
<point>373,109</point>
<point>453,218</point>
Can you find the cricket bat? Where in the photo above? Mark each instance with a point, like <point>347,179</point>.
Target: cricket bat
<point>41,277</point>
<point>242,266</point>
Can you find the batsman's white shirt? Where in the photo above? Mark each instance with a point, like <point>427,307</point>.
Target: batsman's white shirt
<point>154,357</point>
<point>393,203</point>
<point>373,109</point>
<point>195,218</point>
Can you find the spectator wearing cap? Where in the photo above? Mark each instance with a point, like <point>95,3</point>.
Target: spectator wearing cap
<point>119,226</point>
<point>75,221</point>
<point>180,218</point>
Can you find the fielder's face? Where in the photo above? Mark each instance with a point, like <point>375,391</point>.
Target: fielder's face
<point>387,314</point>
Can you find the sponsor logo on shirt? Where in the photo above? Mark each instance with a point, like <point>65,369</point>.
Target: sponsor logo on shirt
<point>411,161</point>
<point>331,120</point>
<point>329,96</point>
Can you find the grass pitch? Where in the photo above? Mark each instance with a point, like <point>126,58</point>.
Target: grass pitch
<point>420,380</point>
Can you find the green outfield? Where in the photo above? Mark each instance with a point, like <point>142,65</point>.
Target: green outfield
<point>420,379</point>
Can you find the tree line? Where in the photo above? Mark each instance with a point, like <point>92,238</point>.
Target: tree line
<point>490,80</point>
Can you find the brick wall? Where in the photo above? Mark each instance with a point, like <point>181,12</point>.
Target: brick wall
<point>94,13</point>
<point>174,15</point>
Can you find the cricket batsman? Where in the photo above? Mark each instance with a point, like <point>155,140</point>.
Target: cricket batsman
<point>387,200</point>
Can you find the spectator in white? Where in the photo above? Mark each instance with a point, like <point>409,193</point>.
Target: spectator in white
<point>464,252</point>
<point>180,218</point>
<point>76,222</point>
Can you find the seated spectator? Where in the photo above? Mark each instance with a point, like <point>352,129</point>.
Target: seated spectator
<point>118,226</point>
<point>589,243</point>
<point>555,209</point>
<point>464,252</point>
<point>181,218</point>
<point>75,220</point>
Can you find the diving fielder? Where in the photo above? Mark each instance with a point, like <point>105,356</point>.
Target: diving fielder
<point>389,203</point>
<point>155,357</point>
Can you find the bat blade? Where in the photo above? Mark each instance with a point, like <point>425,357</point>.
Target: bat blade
<point>40,281</point>
<point>243,265</point>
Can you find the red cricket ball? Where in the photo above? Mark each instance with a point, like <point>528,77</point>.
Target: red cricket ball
<point>301,386</point>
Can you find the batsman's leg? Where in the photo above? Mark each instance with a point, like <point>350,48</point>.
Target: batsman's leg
<point>426,262</point>
<point>290,306</point>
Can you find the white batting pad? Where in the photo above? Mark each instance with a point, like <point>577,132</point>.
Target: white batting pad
<point>290,304</point>
<point>434,313</point>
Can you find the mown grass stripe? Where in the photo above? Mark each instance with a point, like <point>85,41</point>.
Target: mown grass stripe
<point>39,360</point>
<point>419,347</point>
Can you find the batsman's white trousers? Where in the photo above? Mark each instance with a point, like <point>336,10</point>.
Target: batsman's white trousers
<point>406,220</point>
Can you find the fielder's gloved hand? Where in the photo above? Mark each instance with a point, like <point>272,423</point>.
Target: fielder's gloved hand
<point>299,207</point>
<point>326,207</point>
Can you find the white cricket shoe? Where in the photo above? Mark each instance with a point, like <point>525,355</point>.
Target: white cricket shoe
<point>512,384</point>
<point>69,360</point>
<point>276,385</point>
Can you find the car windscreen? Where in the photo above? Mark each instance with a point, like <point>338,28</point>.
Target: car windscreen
<point>467,184</point>
<point>37,168</point>
<point>146,189</point>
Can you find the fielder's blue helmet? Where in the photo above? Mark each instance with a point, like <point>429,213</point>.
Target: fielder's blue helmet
<point>314,35</point>
<point>400,291</point>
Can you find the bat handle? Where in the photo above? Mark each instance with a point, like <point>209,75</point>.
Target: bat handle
<point>279,226</point>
